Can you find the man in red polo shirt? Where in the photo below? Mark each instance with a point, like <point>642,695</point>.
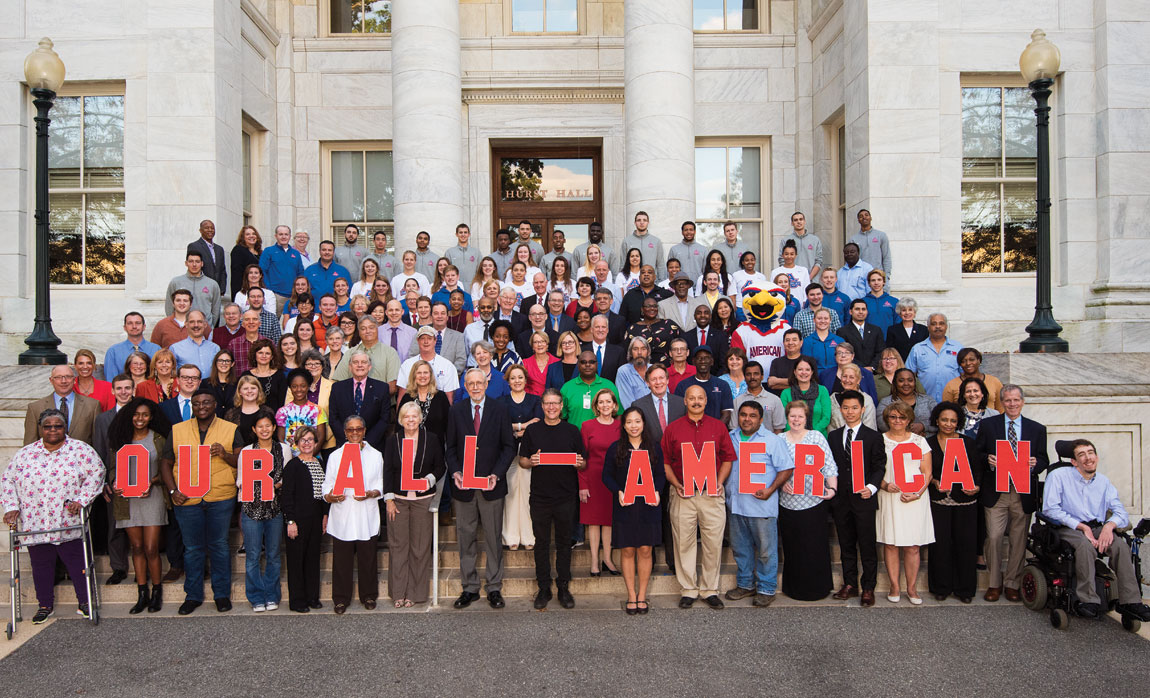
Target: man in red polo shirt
<point>700,511</point>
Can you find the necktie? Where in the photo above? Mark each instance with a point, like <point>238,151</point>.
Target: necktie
<point>475,422</point>
<point>599,357</point>
<point>186,413</point>
<point>438,342</point>
<point>487,331</point>
<point>64,409</point>
<point>395,338</point>
<point>662,415</point>
<point>850,435</point>
<point>358,396</point>
<point>1012,436</point>
<point>702,336</point>
<point>555,324</point>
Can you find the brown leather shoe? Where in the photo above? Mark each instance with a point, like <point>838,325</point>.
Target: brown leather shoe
<point>173,574</point>
<point>867,598</point>
<point>1012,594</point>
<point>846,592</point>
<point>993,593</point>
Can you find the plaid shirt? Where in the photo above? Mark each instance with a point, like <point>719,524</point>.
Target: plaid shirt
<point>270,326</point>
<point>805,321</point>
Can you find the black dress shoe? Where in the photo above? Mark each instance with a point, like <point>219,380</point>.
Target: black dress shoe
<point>117,577</point>
<point>542,598</point>
<point>714,602</point>
<point>965,599</point>
<point>1089,610</point>
<point>300,609</point>
<point>465,599</point>
<point>223,605</point>
<point>496,599</point>
<point>686,602</point>
<point>370,604</point>
<point>189,606</point>
<point>566,600</point>
<point>1135,610</point>
<point>315,605</point>
<point>340,609</point>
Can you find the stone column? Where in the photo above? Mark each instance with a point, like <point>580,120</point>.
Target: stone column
<point>427,122</point>
<point>659,91</point>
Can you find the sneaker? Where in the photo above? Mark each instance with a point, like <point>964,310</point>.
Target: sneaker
<point>272,605</point>
<point>42,615</point>
<point>259,608</point>
<point>82,611</point>
<point>1138,610</point>
<point>738,593</point>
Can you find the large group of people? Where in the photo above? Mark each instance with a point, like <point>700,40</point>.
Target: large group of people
<point>517,392</point>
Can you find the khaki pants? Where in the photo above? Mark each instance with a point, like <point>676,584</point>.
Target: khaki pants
<point>1006,517</point>
<point>1120,561</point>
<point>708,515</point>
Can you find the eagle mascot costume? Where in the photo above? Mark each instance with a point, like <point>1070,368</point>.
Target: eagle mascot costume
<point>761,335</point>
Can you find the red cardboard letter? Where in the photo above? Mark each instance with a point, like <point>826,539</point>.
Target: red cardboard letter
<point>900,454</point>
<point>747,467</point>
<point>203,479</point>
<point>132,470</point>
<point>256,465</point>
<point>1011,469</point>
<point>640,481</point>
<point>955,467</point>
<point>470,481</point>
<point>407,480</point>
<point>858,468</point>
<point>350,474</point>
<point>808,463</point>
<point>557,459</point>
<point>700,470</point>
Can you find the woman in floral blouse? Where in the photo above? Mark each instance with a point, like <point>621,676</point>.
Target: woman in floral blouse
<point>45,486</point>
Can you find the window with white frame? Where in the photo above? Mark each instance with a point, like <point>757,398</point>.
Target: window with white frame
<point>359,17</point>
<point>728,186</point>
<point>999,174</point>
<point>360,191</point>
<point>545,16</point>
<point>726,15</point>
<point>86,190</point>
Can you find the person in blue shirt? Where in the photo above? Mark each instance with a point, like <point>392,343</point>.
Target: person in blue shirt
<point>834,299</point>
<point>631,380</point>
<point>322,274</point>
<point>852,275</point>
<point>281,264</point>
<point>451,283</point>
<point>720,404</point>
<point>754,517</point>
<point>118,354</point>
<point>1088,507</point>
<point>820,344</point>
<point>881,306</point>
<point>935,359</point>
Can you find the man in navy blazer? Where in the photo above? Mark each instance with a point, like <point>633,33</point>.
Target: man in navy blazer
<point>495,448</point>
<point>374,402</point>
<point>187,383</point>
<point>866,338</point>
<point>1009,512</point>
<point>854,512</point>
<point>717,339</point>
<point>215,263</point>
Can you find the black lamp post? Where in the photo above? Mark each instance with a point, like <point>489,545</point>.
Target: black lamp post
<point>44,72</point>
<point>1039,64</point>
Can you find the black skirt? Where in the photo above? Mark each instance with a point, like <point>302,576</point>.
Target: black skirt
<point>806,553</point>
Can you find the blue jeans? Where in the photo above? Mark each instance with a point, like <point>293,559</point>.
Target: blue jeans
<point>204,526</point>
<point>262,536</point>
<point>754,541</point>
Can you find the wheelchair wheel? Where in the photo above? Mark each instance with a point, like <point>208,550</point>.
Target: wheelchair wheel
<point>1059,619</point>
<point>1131,624</point>
<point>8,630</point>
<point>1035,590</point>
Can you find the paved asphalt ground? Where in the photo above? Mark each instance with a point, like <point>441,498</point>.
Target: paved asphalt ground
<point>941,651</point>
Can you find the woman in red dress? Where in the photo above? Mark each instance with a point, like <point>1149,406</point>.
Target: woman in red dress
<point>595,503</point>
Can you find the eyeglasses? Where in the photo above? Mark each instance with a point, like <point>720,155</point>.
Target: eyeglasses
<point>51,427</point>
<point>224,361</point>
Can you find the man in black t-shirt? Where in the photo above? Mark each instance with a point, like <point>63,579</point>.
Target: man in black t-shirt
<point>779,377</point>
<point>554,495</point>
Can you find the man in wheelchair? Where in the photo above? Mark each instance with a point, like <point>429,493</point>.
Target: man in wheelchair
<point>1087,510</point>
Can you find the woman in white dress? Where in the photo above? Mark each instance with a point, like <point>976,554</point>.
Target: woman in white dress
<point>903,522</point>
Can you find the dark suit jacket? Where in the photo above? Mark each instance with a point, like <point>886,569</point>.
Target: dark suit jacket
<point>494,448</point>
<point>566,324</point>
<point>868,347</point>
<point>977,462</point>
<point>100,430</point>
<point>646,405</point>
<point>718,340</point>
<point>993,429</point>
<point>376,410</point>
<point>296,495</point>
<point>616,327</point>
<point>523,342</point>
<point>170,408</point>
<point>529,301</point>
<point>613,358</point>
<point>896,338</point>
<point>80,421</point>
<point>215,262</point>
<point>874,468</point>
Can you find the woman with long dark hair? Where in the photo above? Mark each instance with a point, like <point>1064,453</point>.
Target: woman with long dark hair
<point>638,526</point>
<point>246,252</point>
<point>142,518</point>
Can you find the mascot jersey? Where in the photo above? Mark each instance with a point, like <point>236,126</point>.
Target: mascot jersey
<point>761,336</point>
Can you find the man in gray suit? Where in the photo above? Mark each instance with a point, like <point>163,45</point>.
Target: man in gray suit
<point>122,389</point>
<point>80,412</point>
<point>660,407</point>
<point>680,308</point>
<point>448,343</point>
